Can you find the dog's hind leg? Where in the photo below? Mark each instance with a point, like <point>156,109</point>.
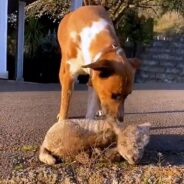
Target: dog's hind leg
<point>93,105</point>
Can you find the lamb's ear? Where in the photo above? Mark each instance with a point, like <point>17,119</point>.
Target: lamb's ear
<point>116,129</point>
<point>135,63</point>
<point>145,126</point>
<point>144,131</point>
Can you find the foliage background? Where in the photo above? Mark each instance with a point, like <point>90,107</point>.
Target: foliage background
<point>134,22</point>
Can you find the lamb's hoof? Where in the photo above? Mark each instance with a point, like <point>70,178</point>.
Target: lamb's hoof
<point>47,159</point>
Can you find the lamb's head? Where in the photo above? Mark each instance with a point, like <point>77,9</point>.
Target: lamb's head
<point>131,141</point>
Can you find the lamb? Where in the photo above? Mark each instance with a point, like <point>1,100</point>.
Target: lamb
<point>132,140</point>
<point>69,137</point>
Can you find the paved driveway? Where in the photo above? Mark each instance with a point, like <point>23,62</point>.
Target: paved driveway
<point>27,110</point>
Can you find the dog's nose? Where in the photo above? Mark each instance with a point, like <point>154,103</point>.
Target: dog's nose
<point>121,112</point>
<point>121,119</point>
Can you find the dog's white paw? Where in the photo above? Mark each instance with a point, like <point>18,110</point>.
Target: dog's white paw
<point>58,116</point>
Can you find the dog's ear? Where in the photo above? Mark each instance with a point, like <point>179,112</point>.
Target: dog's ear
<point>135,63</point>
<point>99,65</point>
<point>106,67</point>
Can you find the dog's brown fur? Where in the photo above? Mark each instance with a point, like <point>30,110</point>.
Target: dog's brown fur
<point>111,75</point>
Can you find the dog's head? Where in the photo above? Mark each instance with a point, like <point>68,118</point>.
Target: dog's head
<point>113,82</point>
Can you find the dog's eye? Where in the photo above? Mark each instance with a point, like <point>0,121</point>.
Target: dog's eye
<point>116,96</point>
<point>106,73</point>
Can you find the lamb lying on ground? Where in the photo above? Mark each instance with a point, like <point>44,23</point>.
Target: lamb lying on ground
<point>68,137</point>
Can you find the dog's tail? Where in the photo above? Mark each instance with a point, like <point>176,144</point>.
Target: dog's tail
<point>45,156</point>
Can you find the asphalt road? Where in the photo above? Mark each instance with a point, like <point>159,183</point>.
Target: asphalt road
<point>27,110</point>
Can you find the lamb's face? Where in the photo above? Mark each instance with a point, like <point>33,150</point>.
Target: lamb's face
<point>132,141</point>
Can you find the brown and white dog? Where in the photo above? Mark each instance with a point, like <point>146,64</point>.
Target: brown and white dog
<point>89,45</point>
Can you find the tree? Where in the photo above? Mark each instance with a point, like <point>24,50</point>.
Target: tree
<point>33,35</point>
<point>133,19</point>
<point>119,10</point>
<point>56,9</point>
<point>53,9</point>
<point>172,5</point>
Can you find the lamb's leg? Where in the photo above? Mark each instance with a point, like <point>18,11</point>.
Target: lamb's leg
<point>46,157</point>
<point>112,154</point>
<point>93,105</point>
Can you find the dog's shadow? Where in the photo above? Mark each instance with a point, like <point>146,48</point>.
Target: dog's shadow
<point>164,150</point>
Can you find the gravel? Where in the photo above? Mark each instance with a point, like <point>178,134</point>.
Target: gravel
<point>27,110</point>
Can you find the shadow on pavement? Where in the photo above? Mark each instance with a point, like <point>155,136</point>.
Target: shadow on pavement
<point>156,112</point>
<point>16,86</point>
<point>178,126</point>
<point>164,150</point>
<point>13,86</point>
<point>159,86</point>
<point>169,143</point>
<point>162,158</point>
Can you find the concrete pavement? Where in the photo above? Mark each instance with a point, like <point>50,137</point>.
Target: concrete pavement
<point>27,110</point>
<point>31,107</point>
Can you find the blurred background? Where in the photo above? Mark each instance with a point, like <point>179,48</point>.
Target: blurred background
<point>151,30</point>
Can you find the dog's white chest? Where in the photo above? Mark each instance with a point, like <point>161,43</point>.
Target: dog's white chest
<point>84,57</point>
<point>87,35</point>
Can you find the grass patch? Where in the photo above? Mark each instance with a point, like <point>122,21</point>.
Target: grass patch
<point>18,167</point>
<point>29,148</point>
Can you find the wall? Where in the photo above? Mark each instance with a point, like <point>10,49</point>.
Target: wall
<point>162,60</point>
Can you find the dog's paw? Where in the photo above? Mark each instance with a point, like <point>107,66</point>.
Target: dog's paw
<point>58,116</point>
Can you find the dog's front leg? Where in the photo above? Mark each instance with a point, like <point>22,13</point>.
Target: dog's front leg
<point>93,105</point>
<point>67,81</point>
